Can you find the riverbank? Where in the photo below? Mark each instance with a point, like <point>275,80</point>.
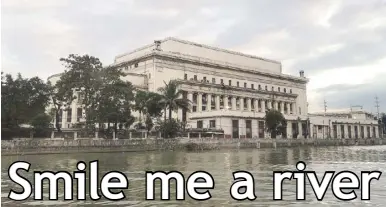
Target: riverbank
<point>52,146</point>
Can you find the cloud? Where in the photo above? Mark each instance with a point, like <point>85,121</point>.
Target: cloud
<point>341,45</point>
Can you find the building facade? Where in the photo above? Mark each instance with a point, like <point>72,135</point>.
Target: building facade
<point>228,90</point>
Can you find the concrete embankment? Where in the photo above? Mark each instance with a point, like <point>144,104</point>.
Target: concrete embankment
<point>49,146</point>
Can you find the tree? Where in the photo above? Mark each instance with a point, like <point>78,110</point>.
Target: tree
<point>149,123</point>
<point>275,122</point>
<point>141,99</point>
<point>169,128</point>
<point>113,100</point>
<point>171,97</point>
<point>22,99</point>
<point>84,76</point>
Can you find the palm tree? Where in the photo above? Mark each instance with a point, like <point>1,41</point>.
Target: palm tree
<point>171,97</point>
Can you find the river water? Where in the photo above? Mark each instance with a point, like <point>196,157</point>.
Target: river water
<point>259,162</point>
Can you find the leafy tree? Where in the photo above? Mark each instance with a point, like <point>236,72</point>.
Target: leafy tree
<point>113,100</point>
<point>84,76</point>
<point>141,99</point>
<point>22,99</point>
<point>169,128</point>
<point>171,97</point>
<point>149,123</point>
<point>275,122</point>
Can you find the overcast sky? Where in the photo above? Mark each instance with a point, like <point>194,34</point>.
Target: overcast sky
<point>341,45</point>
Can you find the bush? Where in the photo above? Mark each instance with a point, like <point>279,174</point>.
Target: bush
<point>170,128</point>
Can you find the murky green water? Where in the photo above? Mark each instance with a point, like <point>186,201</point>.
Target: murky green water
<point>261,163</point>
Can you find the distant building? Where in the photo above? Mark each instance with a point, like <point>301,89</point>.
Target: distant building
<point>229,90</point>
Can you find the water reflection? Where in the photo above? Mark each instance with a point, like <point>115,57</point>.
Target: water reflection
<point>220,164</point>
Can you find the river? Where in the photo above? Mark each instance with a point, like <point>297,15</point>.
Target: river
<point>259,162</point>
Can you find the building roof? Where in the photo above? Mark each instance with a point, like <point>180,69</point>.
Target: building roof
<point>200,45</point>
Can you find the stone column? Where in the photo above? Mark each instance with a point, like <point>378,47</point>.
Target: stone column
<point>276,105</point>
<point>225,102</point>
<point>249,104</point>
<point>262,101</point>
<point>300,135</point>
<point>199,102</point>
<point>241,103</point>
<point>282,107</point>
<point>256,104</point>
<point>289,129</point>
<point>179,110</point>
<point>288,108</point>
<point>209,102</point>
<point>217,101</point>
<point>190,98</point>
<point>74,109</point>
<point>233,102</point>
<point>64,118</point>
<point>269,104</point>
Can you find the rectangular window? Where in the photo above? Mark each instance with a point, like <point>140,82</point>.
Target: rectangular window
<point>195,77</point>
<point>199,124</point>
<point>252,86</point>
<point>248,125</point>
<point>212,124</point>
<point>69,113</point>
<point>213,80</point>
<point>238,84</point>
<point>245,85</point>
<point>204,79</point>
<point>235,129</point>
<point>79,114</point>
<point>230,82</point>
<point>186,76</point>
<point>222,81</point>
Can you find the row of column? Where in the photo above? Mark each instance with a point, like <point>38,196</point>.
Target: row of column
<point>258,105</point>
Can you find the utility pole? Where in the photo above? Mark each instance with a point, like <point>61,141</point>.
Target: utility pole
<point>325,107</point>
<point>380,127</point>
<point>377,106</point>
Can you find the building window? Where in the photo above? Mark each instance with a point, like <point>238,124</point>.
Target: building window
<point>238,84</point>
<point>199,124</point>
<point>273,89</point>
<point>248,124</point>
<point>185,76</point>
<point>69,113</point>
<point>245,104</point>
<point>245,85</point>
<point>204,78</point>
<point>252,86</point>
<point>222,81</point>
<point>266,88</point>
<point>259,87</point>
<point>278,89</point>
<point>290,90</point>
<point>300,111</point>
<point>213,80</point>
<point>136,65</point>
<point>230,82</point>
<point>285,90</point>
<point>195,77</point>
<point>79,114</point>
<point>212,124</point>
<point>149,76</point>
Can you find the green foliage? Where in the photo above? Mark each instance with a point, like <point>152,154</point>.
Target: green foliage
<point>275,122</point>
<point>148,103</point>
<point>171,97</point>
<point>169,128</point>
<point>41,121</point>
<point>149,123</point>
<point>22,99</point>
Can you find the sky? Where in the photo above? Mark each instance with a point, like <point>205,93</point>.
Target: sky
<point>341,45</point>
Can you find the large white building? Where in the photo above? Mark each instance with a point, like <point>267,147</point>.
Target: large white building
<point>229,90</point>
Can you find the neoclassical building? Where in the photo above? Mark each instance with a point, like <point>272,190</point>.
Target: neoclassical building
<point>229,90</point>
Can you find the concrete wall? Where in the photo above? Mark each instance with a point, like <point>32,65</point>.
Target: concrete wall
<point>81,146</point>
